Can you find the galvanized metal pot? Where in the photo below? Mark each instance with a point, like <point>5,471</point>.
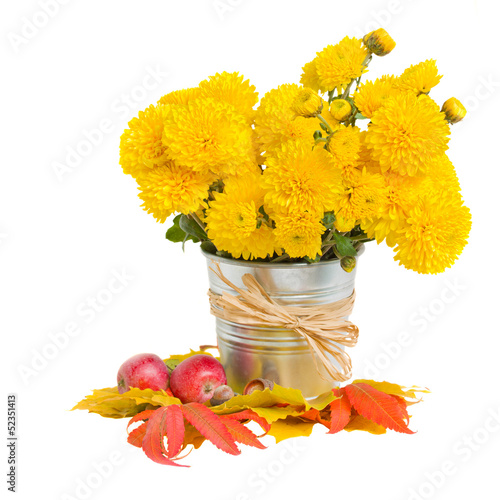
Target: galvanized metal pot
<point>249,352</point>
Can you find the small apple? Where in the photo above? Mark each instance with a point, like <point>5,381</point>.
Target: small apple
<point>196,378</point>
<point>143,371</point>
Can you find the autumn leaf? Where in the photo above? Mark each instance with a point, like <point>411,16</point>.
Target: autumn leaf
<point>249,415</point>
<point>174,428</point>
<point>136,437</point>
<point>377,407</point>
<point>242,434</point>
<point>393,389</point>
<point>110,403</point>
<point>144,415</point>
<point>192,437</point>
<point>290,427</point>
<point>340,411</point>
<point>360,423</point>
<point>152,444</point>
<point>210,426</point>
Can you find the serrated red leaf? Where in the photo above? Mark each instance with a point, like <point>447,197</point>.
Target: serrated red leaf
<point>242,434</point>
<point>249,415</point>
<point>174,429</point>
<point>403,405</point>
<point>377,407</point>
<point>152,444</point>
<point>144,415</point>
<point>340,411</point>
<point>210,426</point>
<point>136,437</point>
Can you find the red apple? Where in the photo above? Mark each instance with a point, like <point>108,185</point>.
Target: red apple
<point>196,378</point>
<point>143,371</point>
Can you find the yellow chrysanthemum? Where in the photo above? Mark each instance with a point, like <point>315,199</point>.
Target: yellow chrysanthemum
<point>141,146</point>
<point>310,77</point>
<point>436,233</point>
<point>441,177</point>
<point>182,96</point>
<point>454,110</point>
<point>362,198</point>
<point>366,159</point>
<point>372,95</point>
<point>402,193</point>
<point>232,220</point>
<point>170,188</point>
<point>337,65</point>
<point>298,178</point>
<point>277,124</point>
<point>207,135</point>
<point>344,145</point>
<point>299,233</point>
<point>379,42</point>
<point>232,89</point>
<point>419,78</point>
<point>307,103</point>
<point>406,133</point>
<point>340,109</point>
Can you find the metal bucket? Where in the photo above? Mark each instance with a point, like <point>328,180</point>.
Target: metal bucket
<point>281,355</point>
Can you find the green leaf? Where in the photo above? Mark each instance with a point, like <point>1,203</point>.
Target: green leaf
<point>359,116</point>
<point>328,220</point>
<point>177,235</point>
<point>208,246</point>
<point>191,227</point>
<point>317,135</point>
<point>344,245</point>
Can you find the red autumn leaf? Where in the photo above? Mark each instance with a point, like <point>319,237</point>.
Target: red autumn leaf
<point>174,428</point>
<point>403,405</point>
<point>340,411</point>
<point>136,437</point>
<point>377,407</point>
<point>242,434</point>
<point>210,426</point>
<point>144,415</point>
<point>249,415</point>
<point>153,440</point>
<point>315,416</point>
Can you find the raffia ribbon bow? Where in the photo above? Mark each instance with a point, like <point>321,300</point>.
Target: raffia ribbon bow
<point>324,326</point>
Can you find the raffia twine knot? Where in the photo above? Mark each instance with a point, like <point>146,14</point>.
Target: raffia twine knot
<point>324,327</point>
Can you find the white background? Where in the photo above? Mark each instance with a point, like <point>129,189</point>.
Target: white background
<point>62,238</point>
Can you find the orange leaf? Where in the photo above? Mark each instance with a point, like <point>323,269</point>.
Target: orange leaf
<point>340,411</point>
<point>403,405</point>
<point>153,440</point>
<point>242,434</point>
<point>377,407</point>
<point>315,416</point>
<point>249,415</point>
<point>210,426</point>
<point>360,423</point>
<point>174,428</point>
<point>144,415</point>
<point>136,437</point>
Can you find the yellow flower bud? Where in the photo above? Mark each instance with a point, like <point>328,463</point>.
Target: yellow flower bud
<point>348,263</point>
<point>454,110</point>
<point>379,42</point>
<point>340,109</point>
<point>307,103</point>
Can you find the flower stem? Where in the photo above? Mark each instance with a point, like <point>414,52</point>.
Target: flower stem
<point>197,220</point>
<point>326,124</point>
<point>281,258</point>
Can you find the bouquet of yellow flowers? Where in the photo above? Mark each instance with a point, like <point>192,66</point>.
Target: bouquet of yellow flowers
<point>312,173</point>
